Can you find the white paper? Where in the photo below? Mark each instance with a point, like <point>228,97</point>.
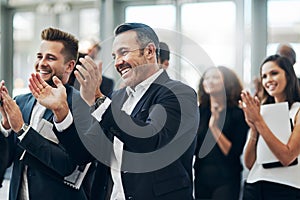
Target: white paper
<point>75,179</point>
<point>277,118</point>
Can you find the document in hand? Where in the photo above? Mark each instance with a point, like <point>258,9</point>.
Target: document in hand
<point>277,118</point>
<point>75,179</point>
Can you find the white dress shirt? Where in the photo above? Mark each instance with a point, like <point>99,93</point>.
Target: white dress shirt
<point>36,117</point>
<point>37,114</point>
<point>134,95</point>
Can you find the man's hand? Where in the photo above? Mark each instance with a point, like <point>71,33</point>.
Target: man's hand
<point>52,98</point>
<point>90,78</point>
<point>4,121</point>
<point>11,114</point>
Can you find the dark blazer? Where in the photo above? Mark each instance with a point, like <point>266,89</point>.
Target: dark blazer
<point>47,161</point>
<point>4,158</point>
<point>169,135</point>
<point>173,181</point>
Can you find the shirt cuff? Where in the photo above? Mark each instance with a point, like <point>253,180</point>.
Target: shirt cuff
<point>24,134</point>
<point>97,114</point>
<point>5,132</point>
<point>66,123</point>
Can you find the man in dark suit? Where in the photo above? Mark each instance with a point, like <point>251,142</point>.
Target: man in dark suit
<point>145,133</point>
<point>40,161</point>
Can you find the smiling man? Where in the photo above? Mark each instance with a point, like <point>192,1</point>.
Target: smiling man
<point>40,161</point>
<point>146,130</point>
<point>152,121</point>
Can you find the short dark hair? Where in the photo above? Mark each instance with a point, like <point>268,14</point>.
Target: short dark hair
<point>292,84</point>
<point>70,43</point>
<point>164,52</point>
<point>145,34</point>
<point>287,51</point>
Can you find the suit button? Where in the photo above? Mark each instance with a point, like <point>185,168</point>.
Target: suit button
<point>130,197</point>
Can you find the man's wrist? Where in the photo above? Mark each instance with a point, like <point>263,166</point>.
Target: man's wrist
<point>61,112</point>
<point>24,128</point>
<point>99,101</point>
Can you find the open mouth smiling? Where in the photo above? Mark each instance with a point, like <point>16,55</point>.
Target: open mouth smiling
<point>123,69</point>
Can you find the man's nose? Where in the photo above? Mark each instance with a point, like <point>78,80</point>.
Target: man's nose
<point>118,61</point>
<point>43,62</point>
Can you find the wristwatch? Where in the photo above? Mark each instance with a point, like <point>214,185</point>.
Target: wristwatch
<point>23,129</point>
<point>99,101</point>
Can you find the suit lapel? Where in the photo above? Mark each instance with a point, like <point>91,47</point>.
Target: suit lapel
<point>28,107</point>
<point>48,115</point>
<point>161,79</point>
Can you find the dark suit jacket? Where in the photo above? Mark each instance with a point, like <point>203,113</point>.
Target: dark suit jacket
<point>175,128</point>
<point>4,158</point>
<point>173,181</point>
<point>47,161</point>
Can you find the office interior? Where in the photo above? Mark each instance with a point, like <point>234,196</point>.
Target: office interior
<point>238,34</point>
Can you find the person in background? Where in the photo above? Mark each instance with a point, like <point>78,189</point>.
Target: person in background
<point>172,124</point>
<point>279,180</point>
<point>221,136</point>
<point>287,51</point>
<point>164,55</point>
<point>258,90</point>
<point>40,162</point>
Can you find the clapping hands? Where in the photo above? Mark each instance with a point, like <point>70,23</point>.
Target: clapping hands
<point>251,108</point>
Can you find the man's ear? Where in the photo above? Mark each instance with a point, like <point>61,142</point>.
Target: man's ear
<point>70,66</point>
<point>165,64</point>
<point>150,50</point>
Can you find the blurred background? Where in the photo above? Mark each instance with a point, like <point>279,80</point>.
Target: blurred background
<point>238,34</point>
<point>234,33</point>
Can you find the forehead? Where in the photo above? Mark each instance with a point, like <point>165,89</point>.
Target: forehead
<point>127,39</point>
<point>51,47</point>
<point>213,72</point>
<point>269,66</point>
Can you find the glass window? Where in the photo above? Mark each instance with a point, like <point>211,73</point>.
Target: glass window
<point>283,27</point>
<point>212,27</point>
<point>165,15</point>
<point>23,25</point>
<point>92,28</point>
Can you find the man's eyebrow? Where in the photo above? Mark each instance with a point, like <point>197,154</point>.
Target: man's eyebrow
<point>47,54</point>
<point>118,50</point>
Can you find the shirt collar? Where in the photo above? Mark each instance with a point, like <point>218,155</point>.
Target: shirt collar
<point>144,85</point>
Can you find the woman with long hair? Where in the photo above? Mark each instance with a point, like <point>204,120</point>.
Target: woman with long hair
<point>221,136</point>
<point>274,180</point>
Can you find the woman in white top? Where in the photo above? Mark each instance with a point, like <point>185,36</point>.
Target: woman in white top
<point>276,180</point>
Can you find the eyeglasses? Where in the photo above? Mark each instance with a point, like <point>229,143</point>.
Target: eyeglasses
<point>125,52</point>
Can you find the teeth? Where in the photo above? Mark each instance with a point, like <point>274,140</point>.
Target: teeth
<point>271,86</point>
<point>43,72</point>
<point>125,71</point>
